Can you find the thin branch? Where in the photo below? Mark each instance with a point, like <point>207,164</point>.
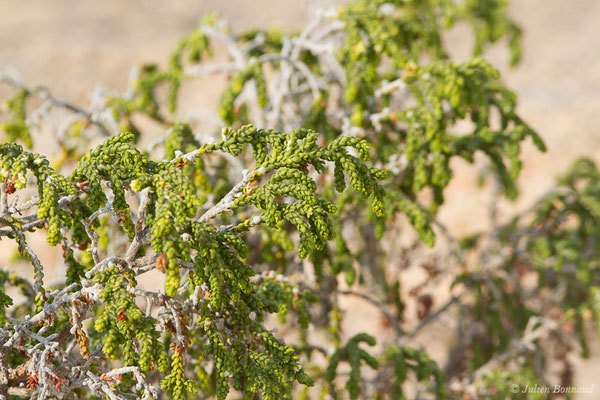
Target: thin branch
<point>227,201</point>
<point>381,307</point>
<point>45,94</point>
<point>432,317</point>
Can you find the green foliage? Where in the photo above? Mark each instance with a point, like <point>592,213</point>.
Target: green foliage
<point>175,383</point>
<point>565,249</point>
<point>354,355</point>
<point>15,163</point>
<point>129,335</point>
<point>405,359</point>
<point>7,280</point>
<point>281,297</point>
<point>228,111</point>
<point>18,129</point>
<point>218,270</point>
<point>5,301</point>
<point>490,24</point>
<point>291,232</point>
<point>554,245</point>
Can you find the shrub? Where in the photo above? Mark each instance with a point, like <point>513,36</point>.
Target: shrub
<point>332,134</point>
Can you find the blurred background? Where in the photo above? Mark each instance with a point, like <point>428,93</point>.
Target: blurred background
<point>73,46</point>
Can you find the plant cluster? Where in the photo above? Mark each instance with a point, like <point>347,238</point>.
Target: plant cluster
<point>333,133</point>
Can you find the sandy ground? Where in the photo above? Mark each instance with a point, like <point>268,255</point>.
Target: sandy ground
<point>70,46</point>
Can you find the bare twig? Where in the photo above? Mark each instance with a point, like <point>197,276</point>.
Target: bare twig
<point>381,307</point>
<point>45,94</point>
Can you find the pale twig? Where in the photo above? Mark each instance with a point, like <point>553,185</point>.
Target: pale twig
<point>45,94</point>
<point>97,382</point>
<point>381,307</point>
<point>4,212</point>
<point>227,201</point>
<point>194,71</point>
<point>93,235</point>
<point>537,328</point>
<point>432,317</point>
<point>136,243</point>
<point>37,264</point>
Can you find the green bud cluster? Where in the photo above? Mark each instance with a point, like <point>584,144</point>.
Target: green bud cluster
<point>175,383</point>
<point>151,76</point>
<point>5,300</point>
<point>403,34</point>
<point>220,267</point>
<point>355,356</point>
<point>278,295</point>
<point>174,201</point>
<point>219,270</point>
<point>114,161</point>
<point>406,359</point>
<point>290,154</point>
<point>255,362</point>
<point>196,45</point>
<point>17,128</point>
<point>228,110</point>
<point>490,24</point>
<point>180,138</point>
<point>339,258</point>
<point>124,331</point>
<point>15,164</point>
<point>447,92</point>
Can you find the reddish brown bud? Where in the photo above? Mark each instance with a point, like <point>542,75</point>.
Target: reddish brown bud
<point>161,262</point>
